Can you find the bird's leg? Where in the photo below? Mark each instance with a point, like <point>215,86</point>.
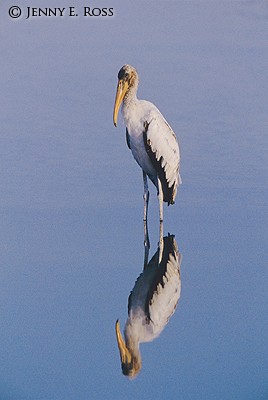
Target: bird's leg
<point>146,235</point>
<point>146,244</point>
<point>160,199</point>
<point>145,196</point>
<point>161,242</point>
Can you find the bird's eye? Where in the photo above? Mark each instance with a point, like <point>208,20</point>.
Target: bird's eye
<point>126,75</point>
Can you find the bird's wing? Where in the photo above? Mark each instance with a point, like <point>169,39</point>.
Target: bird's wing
<point>163,150</point>
<point>164,293</point>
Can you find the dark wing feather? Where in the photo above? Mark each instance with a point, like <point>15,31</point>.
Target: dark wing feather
<point>143,277</point>
<point>128,139</point>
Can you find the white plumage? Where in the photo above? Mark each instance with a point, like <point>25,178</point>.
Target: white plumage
<point>150,138</point>
<point>151,303</point>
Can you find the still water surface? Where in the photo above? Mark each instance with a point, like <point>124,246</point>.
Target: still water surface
<point>71,203</point>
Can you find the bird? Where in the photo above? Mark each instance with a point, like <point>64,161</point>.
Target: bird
<point>151,303</point>
<point>150,138</point>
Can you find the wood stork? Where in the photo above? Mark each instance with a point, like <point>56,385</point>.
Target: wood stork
<point>150,138</point>
<point>151,303</point>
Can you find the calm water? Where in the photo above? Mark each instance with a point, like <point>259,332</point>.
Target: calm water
<point>71,206</point>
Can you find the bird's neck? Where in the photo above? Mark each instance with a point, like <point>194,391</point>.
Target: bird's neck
<point>129,105</point>
<point>131,96</point>
<point>132,340</point>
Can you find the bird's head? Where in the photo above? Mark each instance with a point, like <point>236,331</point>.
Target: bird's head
<point>130,363</point>
<point>127,78</point>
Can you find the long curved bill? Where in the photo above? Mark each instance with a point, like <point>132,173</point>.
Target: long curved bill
<point>123,350</point>
<point>121,90</point>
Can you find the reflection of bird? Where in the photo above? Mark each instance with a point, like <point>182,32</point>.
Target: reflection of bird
<point>150,138</point>
<point>151,303</point>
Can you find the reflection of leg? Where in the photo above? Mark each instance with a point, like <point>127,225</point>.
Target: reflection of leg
<point>145,196</point>
<point>146,244</point>
<point>160,199</point>
<point>161,241</point>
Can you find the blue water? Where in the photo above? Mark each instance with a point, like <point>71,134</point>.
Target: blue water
<point>71,205</point>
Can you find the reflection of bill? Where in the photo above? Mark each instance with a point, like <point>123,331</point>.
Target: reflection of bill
<point>151,303</point>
